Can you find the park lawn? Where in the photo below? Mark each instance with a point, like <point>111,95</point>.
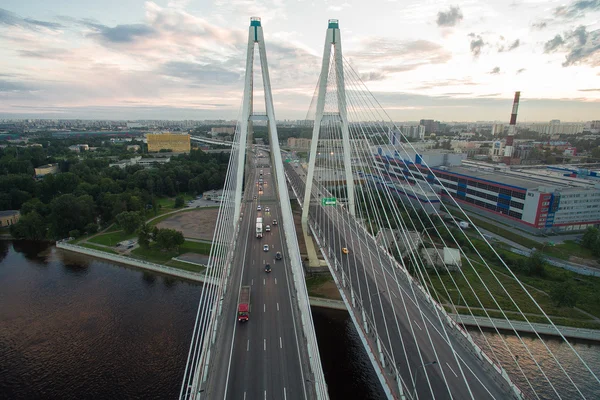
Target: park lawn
<point>169,202</point>
<point>195,247</point>
<point>99,248</point>
<point>159,256</point>
<point>112,238</point>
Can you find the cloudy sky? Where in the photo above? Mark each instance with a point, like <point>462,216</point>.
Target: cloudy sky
<point>184,59</point>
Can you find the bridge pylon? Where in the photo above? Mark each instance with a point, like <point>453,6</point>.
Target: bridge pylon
<point>333,40</point>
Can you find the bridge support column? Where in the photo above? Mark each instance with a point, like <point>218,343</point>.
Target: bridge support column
<point>333,39</point>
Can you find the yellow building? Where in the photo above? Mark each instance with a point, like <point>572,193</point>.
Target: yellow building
<point>43,170</point>
<point>177,143</point>
<point>9,217</point>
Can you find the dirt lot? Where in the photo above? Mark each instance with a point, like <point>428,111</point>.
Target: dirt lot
<point>197,224</point>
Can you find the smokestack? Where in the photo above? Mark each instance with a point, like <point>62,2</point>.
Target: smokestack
<point>508,148</point>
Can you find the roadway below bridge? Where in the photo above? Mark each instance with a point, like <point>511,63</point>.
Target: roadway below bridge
<point>264,358</point>
<point>431,357</point>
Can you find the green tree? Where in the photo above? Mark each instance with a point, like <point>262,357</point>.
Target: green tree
<point>169,239</point>
<point>179,202</point>
<point>144,236</point>
<point>564,294</point>
<point>590,238</point>
<point>91,228</point>
<point>536,264</point>
<point>129,220</point>
<point>30,226</point>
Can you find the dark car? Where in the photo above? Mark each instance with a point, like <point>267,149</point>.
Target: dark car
<point>268,268</point>
<point>278,256</point>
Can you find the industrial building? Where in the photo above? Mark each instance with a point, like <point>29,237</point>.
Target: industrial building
<point>174,142</point>
<point>533,202</point>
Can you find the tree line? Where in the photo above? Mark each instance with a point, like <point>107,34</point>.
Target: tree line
<point>87,193</point>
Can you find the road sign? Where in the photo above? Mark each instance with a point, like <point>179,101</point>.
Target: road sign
<point>287,160</point>
<point>328,201</point>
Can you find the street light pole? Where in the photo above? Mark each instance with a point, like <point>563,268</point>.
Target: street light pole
<point>417,374</point>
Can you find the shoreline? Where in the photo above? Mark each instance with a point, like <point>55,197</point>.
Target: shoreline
<point>465,320</point>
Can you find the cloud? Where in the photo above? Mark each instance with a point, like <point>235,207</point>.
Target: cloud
<point>11,19</point>
<point>372,76</point>
<point>539,25</point>
<point>10,86</point>
<point>521,70</point>
<point>581,46</point>
<point>476,45</point>
<point>121,33</point>
<point>511,47</point>
<point>589,90</point>
<point>495,71</point>
<point>577,9</point>
<point>393,56</point>
<point>514,45</point>
<point>553,44</point>
<point>339,7</point>
<point>449,18</point>
<point>446,82</point>
<point>199,73</point>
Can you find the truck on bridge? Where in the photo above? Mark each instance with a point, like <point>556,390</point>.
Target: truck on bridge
<point>259,227</point>
<point>244,306</point>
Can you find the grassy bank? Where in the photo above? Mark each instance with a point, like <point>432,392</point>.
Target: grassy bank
<point>112,238</point>
<point>502,291</point>
<point>99,248</point>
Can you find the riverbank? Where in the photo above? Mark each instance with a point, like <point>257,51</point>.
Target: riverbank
<point>193,276</point>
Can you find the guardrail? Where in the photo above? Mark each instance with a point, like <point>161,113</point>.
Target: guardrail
<point>194,276</point>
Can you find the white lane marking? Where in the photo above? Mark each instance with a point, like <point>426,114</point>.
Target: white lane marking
<point>417,325</point>
<point>244,395</point>
<point>265,395</point>
<point>252,262</point>
<point>248,345</point>
<point>265,345</point>
<point>394,294</point>
<point>277,306</point>
<point>284,394</point>
<point>264,308</point>
<point>264,281</point>
<point>276,281</point>
<point>452,370</point>
<point>280,343</point>
<point>252,282</point>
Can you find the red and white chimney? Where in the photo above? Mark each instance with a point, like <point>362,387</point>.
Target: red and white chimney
<point>508,148</point>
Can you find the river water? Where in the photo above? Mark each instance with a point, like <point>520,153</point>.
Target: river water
<point>72,327</point>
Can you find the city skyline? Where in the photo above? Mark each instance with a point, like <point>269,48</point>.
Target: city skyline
<point>185,59</point>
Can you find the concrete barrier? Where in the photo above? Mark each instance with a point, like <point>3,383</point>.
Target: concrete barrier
<point>521,326</point>
<point>193,276</point>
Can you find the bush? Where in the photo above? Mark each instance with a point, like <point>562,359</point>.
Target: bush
<point>91,228</point>
<point>74,233</point>
<point>564,294</point>
<point>179,201</point>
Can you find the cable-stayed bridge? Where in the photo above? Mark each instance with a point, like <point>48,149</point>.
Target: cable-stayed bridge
<point>399,260</point>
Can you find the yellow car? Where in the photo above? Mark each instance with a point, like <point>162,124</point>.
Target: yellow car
<point>344,250</point>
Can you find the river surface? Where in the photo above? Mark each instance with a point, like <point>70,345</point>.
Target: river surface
<point>72,327</point>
